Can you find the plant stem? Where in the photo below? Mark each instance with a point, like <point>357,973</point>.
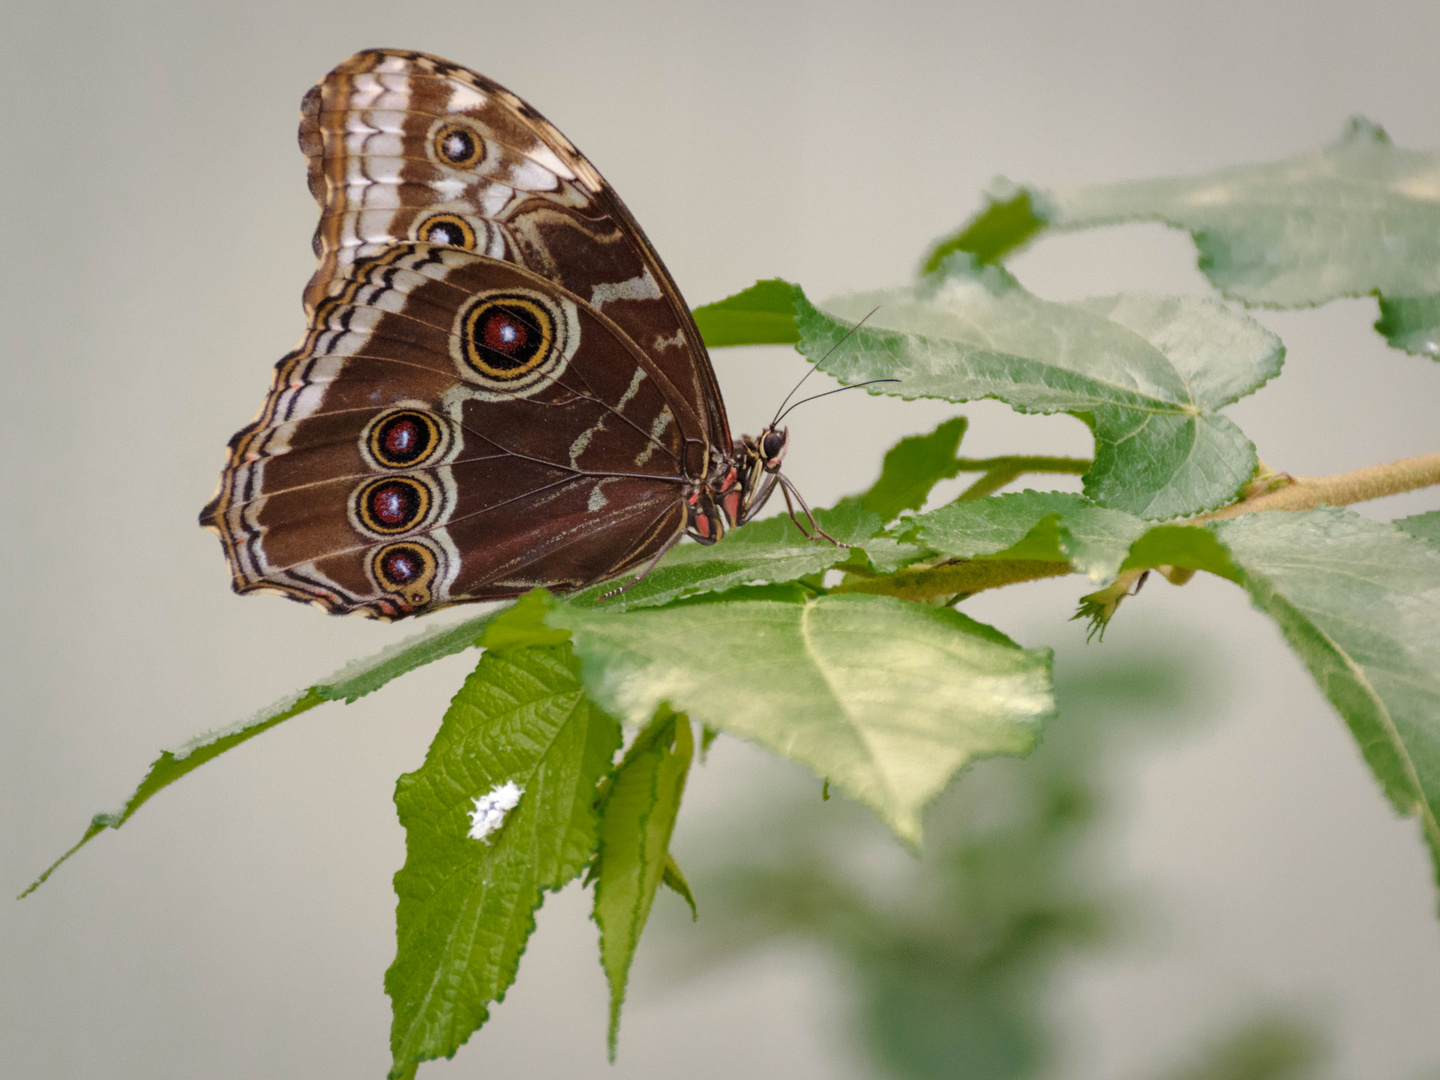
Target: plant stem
<point>1300,493</point>
<point>966,576</point>
<point>1342,489</point>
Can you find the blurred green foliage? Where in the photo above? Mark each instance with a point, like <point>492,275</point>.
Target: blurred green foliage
<point>950,955</point>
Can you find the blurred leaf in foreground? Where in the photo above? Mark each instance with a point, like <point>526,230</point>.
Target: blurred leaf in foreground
<point>950,956</point>
<point>1268,1047</point>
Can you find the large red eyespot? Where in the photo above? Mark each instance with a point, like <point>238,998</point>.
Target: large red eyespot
<point>507,336</point>
<point>393,505</point>
<point>405,438</point>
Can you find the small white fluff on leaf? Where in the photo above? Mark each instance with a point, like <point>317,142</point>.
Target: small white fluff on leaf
<point>491,808</point>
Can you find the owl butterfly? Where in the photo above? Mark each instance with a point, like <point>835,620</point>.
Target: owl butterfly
<point>500,387</point>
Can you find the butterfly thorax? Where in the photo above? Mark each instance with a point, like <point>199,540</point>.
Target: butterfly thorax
<point>738,486</point>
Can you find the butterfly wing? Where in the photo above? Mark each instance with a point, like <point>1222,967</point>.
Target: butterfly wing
<point>500,387</point>
<point>452,428</point>
<point>406,146</point>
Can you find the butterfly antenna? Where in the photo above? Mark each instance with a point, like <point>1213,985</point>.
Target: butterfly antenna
<point>779,413</point>
<point>827,393</point>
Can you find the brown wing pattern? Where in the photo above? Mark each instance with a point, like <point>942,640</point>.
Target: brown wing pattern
<point>406,146</point>
<point>500,387</point>
<point>452,428</point>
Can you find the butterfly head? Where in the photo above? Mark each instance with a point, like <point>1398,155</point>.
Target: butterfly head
<point>772,445</point>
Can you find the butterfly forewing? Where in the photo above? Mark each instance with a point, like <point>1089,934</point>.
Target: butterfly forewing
<point>402,145</point>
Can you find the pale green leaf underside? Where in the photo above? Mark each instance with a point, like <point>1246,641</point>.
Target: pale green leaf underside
<point>1360,216</point>
<point>885,698</point>
<point>1147,374</point>
<point>466,906</point>
<point>355,680</point>
<point>635,825</point>
<point>1359,601</point>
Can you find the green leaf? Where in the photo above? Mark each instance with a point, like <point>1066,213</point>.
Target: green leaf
<point>636,820</point>
<point>467,906</point>
<point>1423,526</point>
<point>1411,323</point>
<point>1005,224</point>
<point>1193,547</point>
<point>1147,374</point>
<point>912,467</point>
<point>522,625</point>
<point>675,881</point>
<point>1358,217</point>
<point>773,550</point>
<point>1359,601</point>
<point>1182,547</point>
<point>355,680</point>
<point>885,698</point>
<point>1045,525</point>
<point>763,314</point>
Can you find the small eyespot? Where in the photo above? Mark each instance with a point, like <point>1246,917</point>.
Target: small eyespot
<point>448,229</point>
<point>458,146</point>
<point>407,569</point>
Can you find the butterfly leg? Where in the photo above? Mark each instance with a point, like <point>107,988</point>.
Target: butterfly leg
<point>646,571</point>
<point>815,532</point>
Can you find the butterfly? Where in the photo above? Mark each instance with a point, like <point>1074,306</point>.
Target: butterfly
<point>500,386</point>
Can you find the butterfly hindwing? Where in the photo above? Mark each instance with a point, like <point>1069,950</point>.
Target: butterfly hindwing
<point>453,427</point>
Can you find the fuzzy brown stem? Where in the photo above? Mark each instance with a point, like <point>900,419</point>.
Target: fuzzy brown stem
<point>1342,489</point>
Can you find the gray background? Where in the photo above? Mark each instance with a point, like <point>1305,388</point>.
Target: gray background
<point>157,232</point>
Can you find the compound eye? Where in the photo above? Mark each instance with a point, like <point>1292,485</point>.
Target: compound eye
<point>773,446</point>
